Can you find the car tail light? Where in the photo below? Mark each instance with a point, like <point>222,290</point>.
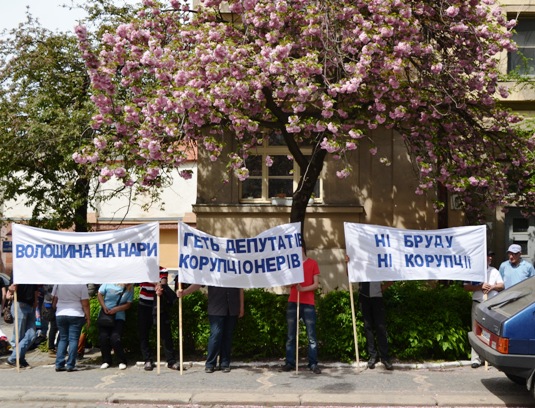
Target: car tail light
<point>500,344</point>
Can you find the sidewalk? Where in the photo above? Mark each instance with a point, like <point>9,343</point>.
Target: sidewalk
<point>453,384</point>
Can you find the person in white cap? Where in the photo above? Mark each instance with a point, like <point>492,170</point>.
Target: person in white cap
<point>516,269</point>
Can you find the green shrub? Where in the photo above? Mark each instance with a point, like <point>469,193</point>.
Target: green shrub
<point>424,322</point>
<point>261,333</point>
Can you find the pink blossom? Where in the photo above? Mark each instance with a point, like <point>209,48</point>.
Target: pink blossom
<point>452,11</point>
<point>186,174</point>
<point>120,172</point>
<point>343,173</point>
<point>242,174</point>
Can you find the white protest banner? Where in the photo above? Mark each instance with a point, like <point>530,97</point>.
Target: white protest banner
<point>273,258</point>
<point>128,255</point>
<point>378,253</point>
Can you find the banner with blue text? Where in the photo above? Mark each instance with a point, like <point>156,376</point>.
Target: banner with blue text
<point>378,253</point>
<point>128,255</point>
<point>273,258</point>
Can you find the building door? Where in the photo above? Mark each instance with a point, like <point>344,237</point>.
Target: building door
<point>521,231</point>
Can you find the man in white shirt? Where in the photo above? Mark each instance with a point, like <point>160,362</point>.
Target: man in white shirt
<point>482,291</point>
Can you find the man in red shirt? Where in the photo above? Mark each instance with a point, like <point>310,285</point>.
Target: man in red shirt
<point>307,312</point>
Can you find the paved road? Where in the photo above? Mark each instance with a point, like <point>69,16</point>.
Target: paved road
<point>452,384</point>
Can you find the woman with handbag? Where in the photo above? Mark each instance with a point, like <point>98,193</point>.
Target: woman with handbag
<point>71,303</point>
<point>114,300</point>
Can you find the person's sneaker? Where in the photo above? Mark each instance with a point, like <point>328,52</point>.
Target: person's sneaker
<point>122,366</point>
<point>476,365</point>
<point>59,369</point>
<point>148,366</point>
<point>175,366</point>
<point>72,369</point>
<point>287,367</point>
<point>52,352</point>
<point>388,365</point>
<point>24,363</point>
<point>225,369</point>
<point>209,370</point>
<point>11,363</point>
<point>315,369</point>
<point>104,366</point>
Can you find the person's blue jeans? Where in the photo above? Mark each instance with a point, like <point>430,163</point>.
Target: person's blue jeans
<point>69,328</point>
<point>26,328</point>
<point>308,314</point>
<point>220,341</point>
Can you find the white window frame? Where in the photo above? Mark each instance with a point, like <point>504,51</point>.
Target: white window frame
<point>530,45</point>
<point>264,152</point>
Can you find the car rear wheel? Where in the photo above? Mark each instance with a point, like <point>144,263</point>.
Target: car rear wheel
<point>516,379</point>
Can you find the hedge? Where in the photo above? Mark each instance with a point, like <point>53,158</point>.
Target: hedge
<point>425,322</point>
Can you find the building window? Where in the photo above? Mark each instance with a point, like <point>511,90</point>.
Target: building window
<point>520,231</point>
<point>522,61</point>
<point>278,180</point>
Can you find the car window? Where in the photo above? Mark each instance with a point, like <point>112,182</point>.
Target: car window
<point>511,301</point>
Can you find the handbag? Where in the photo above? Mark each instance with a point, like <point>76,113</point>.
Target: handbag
<point>8,317</point>
<point>105,320</point>
<point>108,320</point>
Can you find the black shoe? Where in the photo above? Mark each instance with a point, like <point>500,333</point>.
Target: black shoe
<point>315,369</point>
<point>70,370</point>
<point>371,363</point>
<point>209,370</point>
<point>287,367</point>
<point>148,366</point>
<point>59,369</point>
<point>476,365</point>
<point>24,363</point>
<point>225,369</point>
<point>388,365</point>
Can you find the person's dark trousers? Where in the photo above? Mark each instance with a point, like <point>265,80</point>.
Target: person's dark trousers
<point>110,338</point>
<point>52,333</point>
<point>167,337</point>
<point>374,317</point>
<point>220,341</point>
<point>145,324</point>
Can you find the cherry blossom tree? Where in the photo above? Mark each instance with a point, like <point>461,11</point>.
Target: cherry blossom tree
<point>316,72</point>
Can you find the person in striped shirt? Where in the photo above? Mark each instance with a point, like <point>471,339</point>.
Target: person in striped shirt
<point>147,317</point>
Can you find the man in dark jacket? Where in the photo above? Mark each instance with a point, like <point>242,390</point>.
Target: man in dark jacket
<point>225,305</point>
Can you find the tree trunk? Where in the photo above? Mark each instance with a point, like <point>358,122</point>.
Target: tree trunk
<point>310,172</point>
<point>80,212</point>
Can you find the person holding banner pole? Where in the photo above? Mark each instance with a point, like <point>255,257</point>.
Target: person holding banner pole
<point>114,299</point>
<point>225,306</point>
<point>147,313</point>
<point>374,317</point>
<point>24,330</point>
<point>482,291</point>
<point>301,304</point>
